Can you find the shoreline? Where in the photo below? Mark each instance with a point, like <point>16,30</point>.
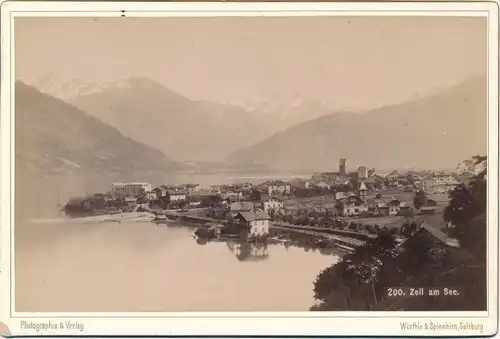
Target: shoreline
<point>289,237</point>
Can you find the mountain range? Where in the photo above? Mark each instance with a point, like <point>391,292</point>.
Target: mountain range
<point>287,133</point>
<point>60,148</point>
<point>435,131</point>
<point>187,130</point>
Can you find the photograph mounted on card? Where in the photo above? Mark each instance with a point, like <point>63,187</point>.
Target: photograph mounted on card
<point>296,167</point>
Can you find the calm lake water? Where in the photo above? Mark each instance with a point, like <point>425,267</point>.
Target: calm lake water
<point>63,266</point>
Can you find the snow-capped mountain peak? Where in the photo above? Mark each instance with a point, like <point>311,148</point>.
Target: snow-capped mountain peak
<point>67,89</point>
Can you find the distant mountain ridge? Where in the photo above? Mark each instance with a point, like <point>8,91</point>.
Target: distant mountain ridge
<point>62,150</point>
<point>435,131</point>
<point>187,130</point>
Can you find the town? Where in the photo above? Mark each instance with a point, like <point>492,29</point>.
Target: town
<point>339,208</point>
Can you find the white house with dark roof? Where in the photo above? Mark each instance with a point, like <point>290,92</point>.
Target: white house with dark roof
<point>272,203</point>
<point>279,187</point>
<point>232,194</point>
<point>257,222</point>
<point>353,205</point>
<point>177,195</point>
<point>394,206</point>
<point>323,185</point>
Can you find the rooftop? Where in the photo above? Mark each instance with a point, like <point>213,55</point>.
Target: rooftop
<point>242,206</point>
<point>251,216</point>
<point>441,236</point>
<point>178,192</point>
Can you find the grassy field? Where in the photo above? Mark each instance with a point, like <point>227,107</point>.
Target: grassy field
<point>309,201</point>
<point>387,221</point>
<point>441,199</point>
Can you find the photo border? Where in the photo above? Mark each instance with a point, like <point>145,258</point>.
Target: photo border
<point>244,323</point>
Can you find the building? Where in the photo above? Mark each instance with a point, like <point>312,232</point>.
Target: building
<point>247,188</point>
<point>378,207</point>
<point>352,206</point>
<point>404,208</point>
<point>232,195</point>
<point>334,178</point>
<point>393,176</point>
<point>362,172</point>
<point>323,185</point>
<point>340,195</point>
<point>342,166</point>
<point>177,195</point>
<point>279,187</point>
<point>160,192</point>
<point>192,188</point>
<point>129,189</point>
<point>466,166</point>
<point>273,203</point>
<point>394,206</point>
<point>382,209</point>
<point>439,183</point>
<point>257,223</point>
<point>372,182</point>
<point>362,191</point>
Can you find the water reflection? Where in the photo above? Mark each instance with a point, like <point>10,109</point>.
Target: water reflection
<point>246,251</point>
<point>139,267</point>
<point>202,241</point>
<point>257,251</point>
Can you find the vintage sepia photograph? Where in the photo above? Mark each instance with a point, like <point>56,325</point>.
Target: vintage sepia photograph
<point>251,164</point>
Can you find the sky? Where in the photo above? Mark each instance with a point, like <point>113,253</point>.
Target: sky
<point>346,62</point>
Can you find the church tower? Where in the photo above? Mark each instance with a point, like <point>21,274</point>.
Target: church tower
<point>362,191</point>
<point>342,167</point>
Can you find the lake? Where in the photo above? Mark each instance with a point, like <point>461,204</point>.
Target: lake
<point>62,266</point>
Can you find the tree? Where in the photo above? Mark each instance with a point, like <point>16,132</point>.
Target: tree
<point>410,179</point>
<point>211,201</point>
<point>280,214</point>
<point>142,197</point>
<point>357,275</point>
<point>330,279</point>
<point>419,199</point>
<point>255,195</point>
<point>466,213</point>
<point>408,228</point>
<point>272,213</point>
